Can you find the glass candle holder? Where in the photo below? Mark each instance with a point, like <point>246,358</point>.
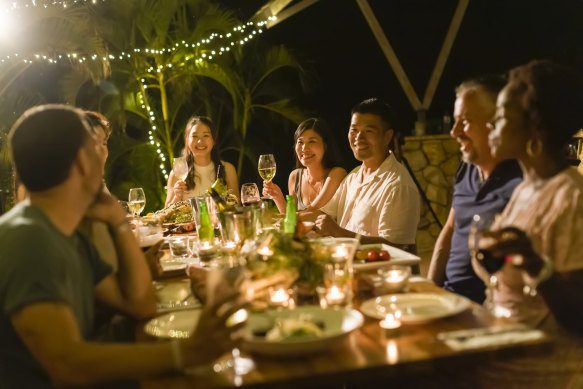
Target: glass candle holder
<point>394,279</point>
<point>334,296</point>
<point>207,251</point>
<point>281,298</point>
<point>179,246</point>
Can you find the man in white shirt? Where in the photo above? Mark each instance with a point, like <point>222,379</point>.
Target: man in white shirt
<point>378,199</point>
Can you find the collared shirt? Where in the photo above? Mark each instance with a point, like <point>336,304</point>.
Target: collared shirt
<point>473,196</point>
<point>385,203</point>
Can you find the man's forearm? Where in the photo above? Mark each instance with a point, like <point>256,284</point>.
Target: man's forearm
<point>309,216</point>
<point>440,257</point>
<point>135,280</point>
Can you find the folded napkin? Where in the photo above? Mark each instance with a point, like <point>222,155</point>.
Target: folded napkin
<point>490,337</point>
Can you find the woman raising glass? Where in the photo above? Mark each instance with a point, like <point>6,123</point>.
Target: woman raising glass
<point>202,157</point>
<point>317,176</point>
<point>539,231</point>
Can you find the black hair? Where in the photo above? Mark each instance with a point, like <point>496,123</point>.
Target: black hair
<point>45,141</point>
<point>551,96</point>
<point>215,155</point>
<point>379,108</point>
<point>330,158</point>
<point>96,119</point>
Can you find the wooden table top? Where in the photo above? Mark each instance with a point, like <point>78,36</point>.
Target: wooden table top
<point>366,354</point>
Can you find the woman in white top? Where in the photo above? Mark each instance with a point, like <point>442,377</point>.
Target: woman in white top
<point>316,178</point>
<point>202,155</point>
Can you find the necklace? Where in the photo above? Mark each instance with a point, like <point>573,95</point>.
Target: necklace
<point>316,186</point>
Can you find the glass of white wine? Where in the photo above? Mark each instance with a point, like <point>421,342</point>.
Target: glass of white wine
<point>180,168</point>
<point>136,201</point>
<point>266,167</point>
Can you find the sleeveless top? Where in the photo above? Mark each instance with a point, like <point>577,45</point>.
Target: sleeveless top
<point>204,176</point>
<point>301,206</point>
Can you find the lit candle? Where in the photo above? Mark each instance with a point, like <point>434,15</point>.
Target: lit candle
<point>265,251</point>
<point>230,247</point>
<point>335,296</point>
<point>205,245</point>
<point>280,297</point>
<point>395,280</point>
<point>340,253</point>
<point>391,323</point>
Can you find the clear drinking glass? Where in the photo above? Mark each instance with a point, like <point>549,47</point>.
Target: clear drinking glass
<point>180,168</point>
<point>137,201</point>
<point>249,194</point>
<point>224,278</point>
<point>485,263</point>
<point>266,167</point>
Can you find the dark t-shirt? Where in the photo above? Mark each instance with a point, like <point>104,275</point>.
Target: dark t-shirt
<point>471,197</point>
<point>40,264</point>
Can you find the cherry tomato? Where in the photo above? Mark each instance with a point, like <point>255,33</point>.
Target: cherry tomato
<point>373,255</point>
<point>385,256</point>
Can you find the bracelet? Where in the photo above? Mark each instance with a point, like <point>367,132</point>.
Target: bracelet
<point>121,228</point>
<point>176,355</point>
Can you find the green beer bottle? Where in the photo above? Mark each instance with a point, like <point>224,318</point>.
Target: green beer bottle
<point>289,223</point>
<point>206,232</point>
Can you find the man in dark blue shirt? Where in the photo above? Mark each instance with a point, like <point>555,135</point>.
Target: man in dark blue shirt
<point>483,186</point>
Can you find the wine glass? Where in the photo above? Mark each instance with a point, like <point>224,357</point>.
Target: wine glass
<point>485,263</point>
<point>266,167</point>
<point>136,201</point>
<point>249,194</point>
<point>180,168</point>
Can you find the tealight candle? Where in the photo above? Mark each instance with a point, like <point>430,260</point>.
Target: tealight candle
<point>395,279</point>
<point>265,252</point>
<point>340,253</point>
<point>391,324</point>
<point>335,296</point>
<point>279,297</point>
<point>206,251</point>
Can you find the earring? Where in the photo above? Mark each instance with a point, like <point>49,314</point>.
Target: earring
<point>534,147</point>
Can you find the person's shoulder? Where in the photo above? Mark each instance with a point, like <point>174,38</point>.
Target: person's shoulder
<point>228,165</point>
<point>337,171</point>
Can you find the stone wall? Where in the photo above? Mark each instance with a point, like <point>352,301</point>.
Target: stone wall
<point>434,160</point>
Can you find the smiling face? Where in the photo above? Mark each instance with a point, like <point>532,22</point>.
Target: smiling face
<point>200,140</point>
<point>310,148</point>
<point>510,132</point>
<point>368,137</point>
<point>472,112</point>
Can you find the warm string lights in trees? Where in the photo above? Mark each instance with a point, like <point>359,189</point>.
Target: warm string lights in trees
<point>223,43</point>
<point>229,41</point>
<point>15,5</point>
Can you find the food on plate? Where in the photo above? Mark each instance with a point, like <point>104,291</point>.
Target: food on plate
<point>179,212</point>
<point>373,255</point>
<point>293,328</point>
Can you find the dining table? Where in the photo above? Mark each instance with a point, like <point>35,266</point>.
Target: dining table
<point>368,356</point>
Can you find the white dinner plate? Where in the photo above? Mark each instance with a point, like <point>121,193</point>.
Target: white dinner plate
<point>416,307</point>
<point>337,324</point>
<point>177,325</point>
<point>398,257</point>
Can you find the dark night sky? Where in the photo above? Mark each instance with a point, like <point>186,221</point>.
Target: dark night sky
<point>348,65</point>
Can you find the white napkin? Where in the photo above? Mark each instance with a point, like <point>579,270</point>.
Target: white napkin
<point>489,337</point>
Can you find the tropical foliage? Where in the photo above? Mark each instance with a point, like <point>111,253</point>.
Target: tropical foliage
<point>149,96</point>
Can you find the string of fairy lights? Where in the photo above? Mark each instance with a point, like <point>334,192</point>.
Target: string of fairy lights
<point>241,35</point>
<point>46,4</point>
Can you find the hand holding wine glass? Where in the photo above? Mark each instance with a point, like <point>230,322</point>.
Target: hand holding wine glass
<point>513,244</point>
<point>136,201</point>
<point>266,167</point>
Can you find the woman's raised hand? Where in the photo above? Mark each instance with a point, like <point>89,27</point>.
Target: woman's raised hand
<point>179,189</point>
